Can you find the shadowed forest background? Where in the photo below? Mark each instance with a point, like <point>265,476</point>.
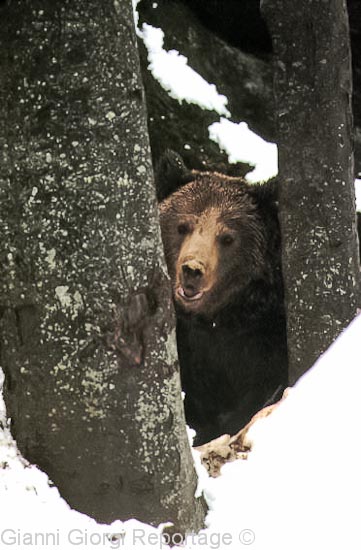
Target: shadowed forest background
<point>228,44</point>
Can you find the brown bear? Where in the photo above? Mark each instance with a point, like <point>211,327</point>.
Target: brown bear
<point>222,245</point>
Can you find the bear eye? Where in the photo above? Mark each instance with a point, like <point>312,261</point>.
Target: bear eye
<point>227,239</point>
<point>183,229</point>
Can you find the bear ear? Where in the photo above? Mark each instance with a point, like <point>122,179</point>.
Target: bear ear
<point>170,174</point>
<point>265,193</point>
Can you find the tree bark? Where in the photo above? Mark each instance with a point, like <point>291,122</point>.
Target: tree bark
<point>87,326</point>
<point>317,203</point>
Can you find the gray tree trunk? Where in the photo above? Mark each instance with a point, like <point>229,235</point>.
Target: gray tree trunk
<point>317,202</point>
<point>87,326</point>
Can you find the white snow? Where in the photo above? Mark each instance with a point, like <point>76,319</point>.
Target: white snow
<point>300,487</point>
<point>135,14</point>
<point>358,194</point>
<point>172,71</point>
<point>243,145</point>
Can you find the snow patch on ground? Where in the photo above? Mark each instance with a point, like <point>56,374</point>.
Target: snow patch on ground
<point>172,71</point>
<point>301,485</point>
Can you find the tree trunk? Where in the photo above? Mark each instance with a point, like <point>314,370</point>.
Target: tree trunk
<point>317,202</point>
<point>88,331</point>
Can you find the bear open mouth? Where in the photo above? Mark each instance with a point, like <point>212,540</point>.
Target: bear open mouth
<point>189,297</point>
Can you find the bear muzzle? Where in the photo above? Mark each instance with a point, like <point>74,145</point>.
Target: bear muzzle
<point>191,278</point>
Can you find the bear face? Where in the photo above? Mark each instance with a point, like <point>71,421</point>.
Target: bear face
<point>215,242</point>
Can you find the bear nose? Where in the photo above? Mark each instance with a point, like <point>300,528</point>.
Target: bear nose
<point>191,272</point>
<point>192,277</point>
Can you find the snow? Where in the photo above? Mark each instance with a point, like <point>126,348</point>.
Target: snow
<point>300,487</point>
<point>358,194</point>
<point>135,14</point>
<point>172,71</point>
<point>243,145</point>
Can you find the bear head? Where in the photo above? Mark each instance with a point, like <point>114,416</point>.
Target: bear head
<point>220,237</point>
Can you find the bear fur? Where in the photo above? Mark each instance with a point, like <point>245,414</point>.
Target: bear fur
<point>222,246</point>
